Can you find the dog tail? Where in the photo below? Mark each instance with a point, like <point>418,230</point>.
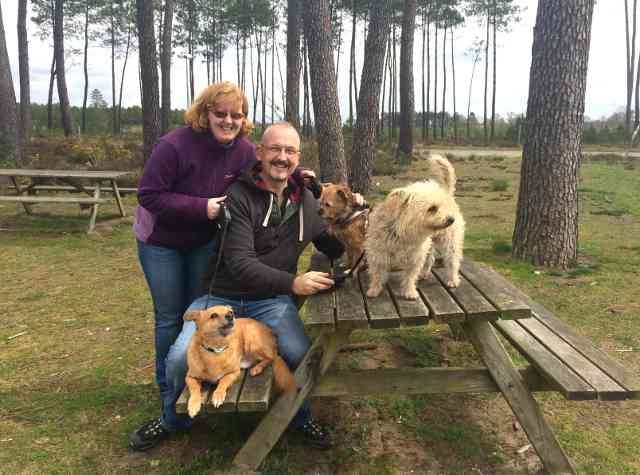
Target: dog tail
<point>282,375</point>
<point>442,171</point>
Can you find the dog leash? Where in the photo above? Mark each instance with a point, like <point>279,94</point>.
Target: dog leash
<point>222,221</point>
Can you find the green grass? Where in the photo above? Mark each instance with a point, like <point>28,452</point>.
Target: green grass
<point>79,378</point>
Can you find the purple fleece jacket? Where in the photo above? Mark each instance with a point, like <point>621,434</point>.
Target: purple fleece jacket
<point>185,169</point>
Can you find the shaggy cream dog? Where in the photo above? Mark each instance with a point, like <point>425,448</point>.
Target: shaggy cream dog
<point>414,225</point>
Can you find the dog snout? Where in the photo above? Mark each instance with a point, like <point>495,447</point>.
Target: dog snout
<point>450,220</point>
<point>229,317</point>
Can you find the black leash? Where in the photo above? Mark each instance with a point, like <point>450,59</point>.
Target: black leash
<point>222,221</point>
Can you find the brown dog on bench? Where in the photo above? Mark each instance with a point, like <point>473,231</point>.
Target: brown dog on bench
<point>222,346</point>
<point>346,218</point>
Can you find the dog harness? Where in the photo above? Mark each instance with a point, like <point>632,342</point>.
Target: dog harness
<point>352,216</point>
<point>214,350</point>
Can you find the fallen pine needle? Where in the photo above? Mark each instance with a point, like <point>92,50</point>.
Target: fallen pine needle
<point>16,335</point>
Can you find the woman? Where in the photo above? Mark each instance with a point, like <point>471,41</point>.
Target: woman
<point>182,187</point>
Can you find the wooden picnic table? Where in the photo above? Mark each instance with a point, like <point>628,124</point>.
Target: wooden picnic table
<point>484,304</point>
<point>86,182</point>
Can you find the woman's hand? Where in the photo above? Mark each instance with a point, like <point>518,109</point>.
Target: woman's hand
<point>213,206</point>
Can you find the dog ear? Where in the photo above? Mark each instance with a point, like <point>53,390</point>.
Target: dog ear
<point>344,194</point>
<point>191,315</point>
<point>399,198</point>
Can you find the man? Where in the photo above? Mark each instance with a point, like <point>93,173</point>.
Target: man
<point>274,217</point>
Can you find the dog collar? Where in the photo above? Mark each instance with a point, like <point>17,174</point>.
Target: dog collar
<point>215,350</point>
<point>352,216</point>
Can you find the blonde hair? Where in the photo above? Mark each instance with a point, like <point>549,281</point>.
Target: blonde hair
<point>197,115</point>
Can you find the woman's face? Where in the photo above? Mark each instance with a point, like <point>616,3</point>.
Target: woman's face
<point>226,120</point>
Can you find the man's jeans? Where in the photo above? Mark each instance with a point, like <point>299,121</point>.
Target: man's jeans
<point>279,313</point>
<point>175,279</point>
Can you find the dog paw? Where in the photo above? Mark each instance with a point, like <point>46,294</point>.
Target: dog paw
<point>374,291</point>
<point>194,407</point>
<point>255,371</point>
<point>453,283</point>
<point>218,398</point>
<point>411,294</point>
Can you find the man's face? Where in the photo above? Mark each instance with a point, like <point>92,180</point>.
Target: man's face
<point>279,153</point>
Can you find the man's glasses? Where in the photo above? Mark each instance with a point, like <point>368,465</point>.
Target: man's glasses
<point>277,149</point>
<point>223,115</point>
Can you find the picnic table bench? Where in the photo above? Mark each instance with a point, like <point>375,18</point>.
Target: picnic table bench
<point>560,359</point>
<point>76,181</point>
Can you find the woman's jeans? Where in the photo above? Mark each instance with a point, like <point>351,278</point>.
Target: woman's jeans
<point>279,313</point>
<point>175,279</point>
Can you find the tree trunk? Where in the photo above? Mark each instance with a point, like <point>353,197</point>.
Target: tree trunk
<point>124,68</point>
<point>85,94</point>
<point>486,81</point>
<point>546,230</point>
<point>9,144</point>
<point>352,61</point>
<point>407,112</point>
<point>23,61</point>
<point>424,113</point>
<point>364,134</point>
<point>630,63</point>
<point>473,71</point>
<point>149,76</point>
<point>317,30</point>
<point>428,92</point>
<point>52,77</point>
<point>493,89</point>
<point>292,112</point>
<point>444,81</point>
<point>453,85</point>
<point>305,106</point>
<point>165,67</point>
<point>58,47</point>
<point>114,117</point>
<point>434,130</point>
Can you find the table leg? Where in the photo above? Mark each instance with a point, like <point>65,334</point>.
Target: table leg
<point>318,359</point>
<point>518,396</point>
<point>116,192</point>
<point>19,192</point>
<point>94,208</point>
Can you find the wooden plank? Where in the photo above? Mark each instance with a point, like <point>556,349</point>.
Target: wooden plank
<point>606,388</point>
<point>108,189</point>
<point>256,391</point>
<point>412,312</point>
<point>475,306</point>
<point>94,209</point>
<point>350,311</point>
<point>26,172</point>
<point>442,307</point>
<point>496,289</point>
<point>230,403</point>
<point>521,401</point>
<point>381,311</point>
<point>53,199</point>
<point>363,382</point>
<point>607,364</point>
<point>319,309</point>
<point>569,383</point>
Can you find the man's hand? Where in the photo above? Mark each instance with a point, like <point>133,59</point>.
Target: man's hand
<point>311,283</point>
<point>213,207</point>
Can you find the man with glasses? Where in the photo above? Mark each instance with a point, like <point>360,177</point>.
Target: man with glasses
<point>274,218</point>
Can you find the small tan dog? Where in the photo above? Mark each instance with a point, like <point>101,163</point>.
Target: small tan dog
<point>413,226</point>
<point>222,346</point>
<point>347,219</point>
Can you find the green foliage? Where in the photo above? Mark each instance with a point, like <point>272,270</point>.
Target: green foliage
<point>499,185</point>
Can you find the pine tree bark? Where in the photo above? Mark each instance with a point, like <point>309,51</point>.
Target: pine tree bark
<point>9,144</point>
<point>364,134</point>
<point>407,112</point>
<point>23,61</point>
<point>165,66</point>
<point>292,113</point>
<point>148,75</point>
<point>85,69</point>
<point>546,230</point>
<point>58,47</point>
<point>324,91</point>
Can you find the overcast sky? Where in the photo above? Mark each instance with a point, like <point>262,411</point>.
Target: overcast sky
<point>605,83</point>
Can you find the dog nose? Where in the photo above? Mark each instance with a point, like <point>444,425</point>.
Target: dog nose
<point>229,317</point>
<point>450,220</point>
<point>321,212</point>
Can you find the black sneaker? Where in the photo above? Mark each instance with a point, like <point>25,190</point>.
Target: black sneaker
<point>314,435</point>
<point>148,436</point>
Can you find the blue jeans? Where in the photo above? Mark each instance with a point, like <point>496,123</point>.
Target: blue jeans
<point>175,279</point>
<point>279,313</point>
